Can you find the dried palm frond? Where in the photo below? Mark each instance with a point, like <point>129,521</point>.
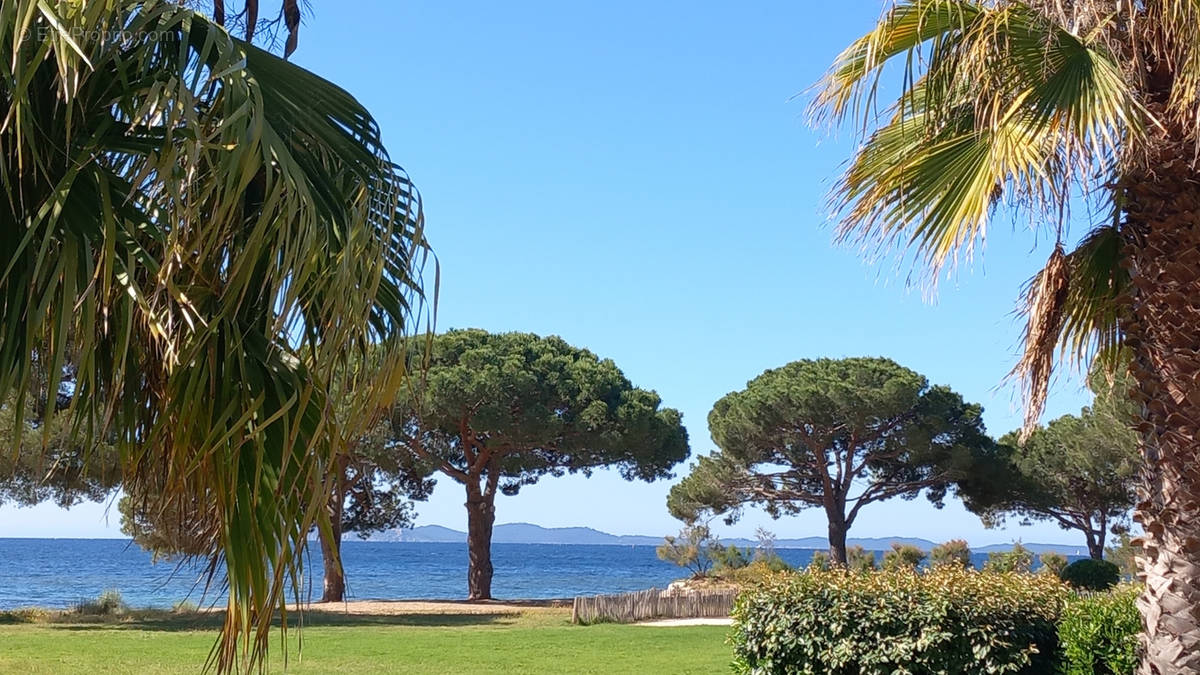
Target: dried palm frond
<point>1044,305</point>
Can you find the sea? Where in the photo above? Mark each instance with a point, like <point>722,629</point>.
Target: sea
<point>60,573</point>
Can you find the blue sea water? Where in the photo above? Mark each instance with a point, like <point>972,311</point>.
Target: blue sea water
<point>60,572</point>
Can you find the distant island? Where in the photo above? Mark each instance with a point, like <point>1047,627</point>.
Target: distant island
<point>528,533</point>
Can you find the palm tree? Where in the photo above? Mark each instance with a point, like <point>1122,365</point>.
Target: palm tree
<point>1047,106</point>
<point>207,234</point>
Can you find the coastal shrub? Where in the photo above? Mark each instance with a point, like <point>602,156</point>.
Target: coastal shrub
<point>107,603</point>
<point>765,551</point>
<point>1019,559</point>
<point>953,552</point>
<point>1091,575</point>
<point>1098,634</point>
<point>774,562</point>
<point>903,556</point>
<point>859,559</point>
<point>185,607</point>
<point>947,620</point>
<point>726,558</point>
<point>755,574</point>
<point>691,549</point>
<point>25,615</point>
<point>1052,563</point>
<point>1123,553</point>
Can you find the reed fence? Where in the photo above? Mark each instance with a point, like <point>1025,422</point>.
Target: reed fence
<point>652,604</point>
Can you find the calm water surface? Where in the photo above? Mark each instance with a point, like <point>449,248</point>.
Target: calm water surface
<point>61,572</point>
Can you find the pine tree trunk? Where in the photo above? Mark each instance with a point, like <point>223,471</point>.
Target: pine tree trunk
<point>837,541</point>
<point>334,585</point>
<point>1162,235</point>
<point>481,515</point>
<point>1095,544</point>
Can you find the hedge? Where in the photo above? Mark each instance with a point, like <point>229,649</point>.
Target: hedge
<point>1091,575</point>
<point>1099,634</point>
<point>947,620</point>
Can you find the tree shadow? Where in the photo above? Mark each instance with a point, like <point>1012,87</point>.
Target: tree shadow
<point>205,621</point>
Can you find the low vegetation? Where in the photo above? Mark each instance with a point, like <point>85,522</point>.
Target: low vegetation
<point>1098,634</point>
<point>953,552</point>
<point>540,640</point>
<point>1016,559</point>
<point>696,549</point>
<point>1091,575</point>
<point>949,620</point>
<point>108,603</point>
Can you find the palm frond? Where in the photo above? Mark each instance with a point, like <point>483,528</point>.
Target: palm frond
<point>213,233</point>
<point>1044,307</point>
<point>1072,306</point>
<point>998,102</point>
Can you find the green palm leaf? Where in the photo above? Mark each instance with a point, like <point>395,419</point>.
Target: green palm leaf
<point>1001,105</point>
<point>212,233</point>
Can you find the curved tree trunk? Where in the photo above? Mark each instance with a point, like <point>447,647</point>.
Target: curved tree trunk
<point>334,586</point>
<point>481,516</point>
<point>1095,544</point>
<point>1162,234</point>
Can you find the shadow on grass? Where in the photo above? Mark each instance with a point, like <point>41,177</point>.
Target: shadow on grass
<point>176,622</point>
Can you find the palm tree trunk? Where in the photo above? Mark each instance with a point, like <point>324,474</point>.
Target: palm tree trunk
<point>1162,234</point>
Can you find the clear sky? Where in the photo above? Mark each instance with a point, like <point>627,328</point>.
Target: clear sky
<point>640,178</point>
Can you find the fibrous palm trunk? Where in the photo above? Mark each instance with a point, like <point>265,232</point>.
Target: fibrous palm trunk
<point>1162,234</point>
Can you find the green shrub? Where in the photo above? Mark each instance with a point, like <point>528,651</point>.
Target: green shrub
<point>1098,634</point>
<point>1091,575</point>
<point>859,559</point>
<point>903,556</point>
<point>755,574</point>
<point>947,620</point>
<point>1019,559</point>
<point>107,603</point>
<point>773,562</point>
<point>727,558</point>
<point>1123,553</point>
<point>1052,563</point>
<point>953,552</point>
<point>691,549</point>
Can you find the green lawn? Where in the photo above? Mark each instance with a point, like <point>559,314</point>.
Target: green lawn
<point>532,642</point>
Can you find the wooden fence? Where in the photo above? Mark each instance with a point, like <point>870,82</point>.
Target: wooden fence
<point>652,604</point>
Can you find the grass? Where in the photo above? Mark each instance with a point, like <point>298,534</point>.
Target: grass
<point>535,641</point>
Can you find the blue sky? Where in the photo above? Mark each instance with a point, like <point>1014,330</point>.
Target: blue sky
<point>640,178</point>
